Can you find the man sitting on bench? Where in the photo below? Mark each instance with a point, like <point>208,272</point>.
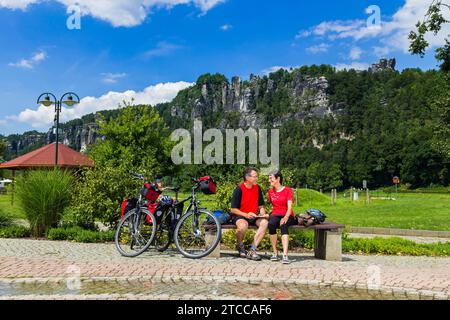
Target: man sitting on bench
<point>247,200</point>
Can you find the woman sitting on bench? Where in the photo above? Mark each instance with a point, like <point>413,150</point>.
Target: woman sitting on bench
<point>282,215</point>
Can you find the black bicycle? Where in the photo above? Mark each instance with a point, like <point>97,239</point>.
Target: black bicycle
<point>136,230</point>
<point>196,232</point>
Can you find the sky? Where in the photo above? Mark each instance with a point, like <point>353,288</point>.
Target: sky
<point>108,51</point>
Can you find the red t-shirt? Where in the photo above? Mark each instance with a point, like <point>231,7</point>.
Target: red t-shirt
<point>280,200</point>
<point>247,200</point>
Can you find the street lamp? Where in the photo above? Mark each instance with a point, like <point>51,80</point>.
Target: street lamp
<point>46,101</point>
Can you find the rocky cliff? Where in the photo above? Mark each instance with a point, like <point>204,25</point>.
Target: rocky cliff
<point>272,99</point>
<point>253,100</point>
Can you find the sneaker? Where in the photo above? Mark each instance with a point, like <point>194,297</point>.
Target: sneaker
<point>253,255</point>
<point>274,257</point>
<point>285,260</point>
<point>241,250</point>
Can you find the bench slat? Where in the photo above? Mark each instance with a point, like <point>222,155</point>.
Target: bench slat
<point>324,226</point>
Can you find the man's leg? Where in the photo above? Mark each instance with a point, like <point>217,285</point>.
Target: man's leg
<point>262,228</point>
<point>242,226</point>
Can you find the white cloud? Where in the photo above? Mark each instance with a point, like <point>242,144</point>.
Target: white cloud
<point>17,4</point>
<point>31,62</point>
<point>120,13</point>
<point>303,34</point>
<point>353,65</point>
<point>112,77</point>
<point>320,48</point>
<point>163,48</point>
<point>276,68</point>
<point>381,52</point>
<point>226,27</point>
<point>355,53</point>
<point>43,117</point>
<point>392,34</point>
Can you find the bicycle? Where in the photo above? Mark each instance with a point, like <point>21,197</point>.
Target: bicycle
<point>136,230</point>
<point>196,232</point>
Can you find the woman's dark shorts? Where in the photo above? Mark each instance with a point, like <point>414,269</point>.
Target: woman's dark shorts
<point>274,224</point>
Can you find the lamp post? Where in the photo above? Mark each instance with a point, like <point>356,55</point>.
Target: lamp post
<point>46,101</point>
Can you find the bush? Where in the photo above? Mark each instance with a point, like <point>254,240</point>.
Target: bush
<point>79,234</point>
<point>224,194</point>
<point>73,218</point>
<point>99,194</point>
<point>394,246</point>
<point>43,195</point>
<point>15,232</point>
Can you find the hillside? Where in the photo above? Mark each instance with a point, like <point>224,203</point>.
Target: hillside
<point>337,128</point>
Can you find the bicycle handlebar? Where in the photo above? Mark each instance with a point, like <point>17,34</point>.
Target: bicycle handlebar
<point>137,175</point>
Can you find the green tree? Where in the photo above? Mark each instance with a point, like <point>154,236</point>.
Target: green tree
<point>433,22</point>
<point>2,149</point>
<point>136,141</point>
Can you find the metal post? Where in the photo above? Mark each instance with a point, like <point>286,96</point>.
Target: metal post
<point>13,182</point>
<point>58,107</point>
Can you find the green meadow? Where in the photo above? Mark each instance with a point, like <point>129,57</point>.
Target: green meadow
<point>418,211</point>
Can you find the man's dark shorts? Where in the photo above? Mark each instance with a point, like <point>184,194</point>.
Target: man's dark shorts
<point>251,222</point>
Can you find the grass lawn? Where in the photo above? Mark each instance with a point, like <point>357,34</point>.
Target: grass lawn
<point>13,210</point>
<point>417,211</point>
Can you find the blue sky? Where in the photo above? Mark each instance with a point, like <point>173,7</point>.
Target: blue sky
<point>150,49</point>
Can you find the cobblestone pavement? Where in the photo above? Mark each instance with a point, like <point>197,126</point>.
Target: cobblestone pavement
<point>42,269</point>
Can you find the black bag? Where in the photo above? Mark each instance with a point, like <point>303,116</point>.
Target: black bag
<point>128,205</point>
<point>311,217</point>
<point>207,185</point>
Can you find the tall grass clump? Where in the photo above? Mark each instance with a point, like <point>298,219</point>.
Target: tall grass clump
<point>6,219</point>
<point>43,196</point>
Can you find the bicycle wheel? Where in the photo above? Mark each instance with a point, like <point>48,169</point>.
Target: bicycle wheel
<point>197,234</point>
<point>164,234</point>
<point>133,240</point>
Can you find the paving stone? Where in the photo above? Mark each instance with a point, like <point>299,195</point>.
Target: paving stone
<point>105,272</point>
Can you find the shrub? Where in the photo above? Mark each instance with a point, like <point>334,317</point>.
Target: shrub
<point>79,234</point>
<point>224,194</point>
<point>73,218</point>
<point>14,232</point>
<point>394,246</point>
<point>99,194</point>
<point>43,195</point>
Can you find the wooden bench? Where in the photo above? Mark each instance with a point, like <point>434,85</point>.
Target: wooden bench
<point>327,240</point>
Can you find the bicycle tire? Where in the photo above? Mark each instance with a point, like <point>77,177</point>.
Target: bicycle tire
<point>148,242</point>
<point>214,243</point>
<point>163,236</point>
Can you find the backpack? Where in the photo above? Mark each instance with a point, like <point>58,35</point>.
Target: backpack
<point>311,217</point>
<point>207,185</point>
<point>128,205</point>
<point>223,217</point>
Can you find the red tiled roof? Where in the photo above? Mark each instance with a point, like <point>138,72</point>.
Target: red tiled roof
<point>45,158</point>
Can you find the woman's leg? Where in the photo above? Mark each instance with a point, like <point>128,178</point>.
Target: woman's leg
<point>274,222</point>
<point>285,234</point>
